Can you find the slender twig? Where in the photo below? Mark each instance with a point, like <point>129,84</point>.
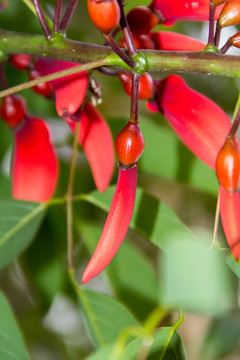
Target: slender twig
<point>171,333</point>
<point>217,34</point>
<point>235,125</point>
<point>126,31</point>
<point>109,72</point>
<point>3,80</point>
<point>212,9</point>
<point>68,14</point>
<point>56,75</point>
<point>226,46</point>
<point>69,198</point>
<point>57,15</point>
<point>118,50</point>
<point>216,223</point>
<point>134,99</point>
<point>41,18</point>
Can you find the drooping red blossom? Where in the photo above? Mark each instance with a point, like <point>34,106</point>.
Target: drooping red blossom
<point>96,139</point>
<point>203,127</point>
<point>116,225</point>
<point>171,41</point>
<point>230,215</point>
<point>69,90</point>
<point>199,122</point>
<point>172,10</point>
<point>34,165</point>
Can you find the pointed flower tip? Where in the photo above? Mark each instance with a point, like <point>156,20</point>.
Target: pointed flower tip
<point>116,225</point>
<point>34,166</point>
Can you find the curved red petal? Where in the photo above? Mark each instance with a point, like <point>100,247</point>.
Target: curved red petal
<point>166,40</point>
<point>230,215</point>
<point>199,122</point>
<point>173,10</point>
<point>34,166</point>
<point>69,90</point>
<point>96,139</point>
<point>116,225</point>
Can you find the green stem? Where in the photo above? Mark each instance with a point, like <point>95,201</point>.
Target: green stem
<point>164,61</point>
<point>69,198</point>
<point>171,333</point>
<point>53,76</point>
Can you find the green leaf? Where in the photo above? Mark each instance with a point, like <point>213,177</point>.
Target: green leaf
<point>175,350</point>
<point>124,273</point>
<point>222,337</point>
<point>19,222</point>
<point>105,316</point>
<point>195,278</point>
<point>151,217</point>
<point>12,346</point>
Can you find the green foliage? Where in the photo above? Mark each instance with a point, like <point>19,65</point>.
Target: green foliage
<point>11,341</point>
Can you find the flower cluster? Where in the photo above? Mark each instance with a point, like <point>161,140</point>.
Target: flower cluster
<point>198,121</point>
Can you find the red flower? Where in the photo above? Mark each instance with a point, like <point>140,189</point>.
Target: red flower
<point>96,140</point>
<point>94,136</point>
<point>203,127</point>
<point>69,90</point>
<point>116,225</point>
<point>173,10</point>
<point>34,165</point>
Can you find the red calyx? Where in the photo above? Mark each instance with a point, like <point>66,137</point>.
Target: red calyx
<point>129,145</point>
<point>142,20</point>
<point>228,166</point>
<point>13,110</point>
<point>44,88</point>
<point>21,61</point>
<point>105,14</point>
<point>145,85</point>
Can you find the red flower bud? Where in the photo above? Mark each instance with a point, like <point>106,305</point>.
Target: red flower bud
<point>13,110</point>
<point>230,214</point>
<point>129,145</point>
<point>230,14</point>
<point>142,20</point>
<point>145,85</point>
<point>105,14</point>
<point>34,166</point>
<point>228,165</point>
<point>21,61</point>
<point>116,225</point>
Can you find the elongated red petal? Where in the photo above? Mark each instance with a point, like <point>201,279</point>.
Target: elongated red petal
<point>116,225</point>
<point>175,10</point>
<point>230,214</point>
<point>199,122</point>
<point>166,40</point>
<point>69,90</point>
<point>96,139</point>
<point>34,166</point>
